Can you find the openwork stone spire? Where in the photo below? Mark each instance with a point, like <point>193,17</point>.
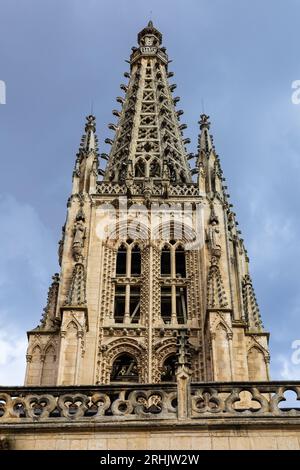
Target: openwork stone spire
<point>149,140</point>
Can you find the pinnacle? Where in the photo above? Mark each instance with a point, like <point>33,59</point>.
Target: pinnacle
<point>205,139</point>
<point>91,123</point>
<point>89,140</point>
<point>204,121</point>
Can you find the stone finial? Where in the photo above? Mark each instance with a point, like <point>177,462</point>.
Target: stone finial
<point>204,121</point>
<point>152,34</point>
<point>89,140</point>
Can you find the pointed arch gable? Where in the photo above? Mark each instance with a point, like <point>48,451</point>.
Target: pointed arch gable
<point>257,363</point>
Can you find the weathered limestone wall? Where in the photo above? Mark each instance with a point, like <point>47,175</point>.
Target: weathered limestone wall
<point>151,439</point>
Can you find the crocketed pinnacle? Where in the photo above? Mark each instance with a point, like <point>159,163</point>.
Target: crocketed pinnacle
<point>77,291</point>
<point>216,297</point>
<point>251,308</point>
<point>205,140</point>
<point>89,140</point>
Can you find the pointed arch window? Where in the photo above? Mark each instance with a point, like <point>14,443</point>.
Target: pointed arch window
<point>124,369</point>
<point>165,261</point>
<point>154,169</point>
<point>135,261</point>
<point>127,294</point>
<point>180,267</point>
<point>173,290</point>
<point>121,261</point>
<point>139,169</point>
<point>169,369</point>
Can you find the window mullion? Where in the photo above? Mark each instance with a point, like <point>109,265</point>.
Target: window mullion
<point>128,262</point>
<point>174,314</point>
<point>127,304</point>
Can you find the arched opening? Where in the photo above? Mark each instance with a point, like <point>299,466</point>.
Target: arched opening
<point>35,367</point>
<point>165,261</point>
<point>121,261</point>
<point>154,169</point>
<point>139,169</point>
<point>169,369</point>
<point>124,369</point>
<point>180,262</point>
<point>48,373</point>
<point>70,353</point>
<point>135,261</point>
<point>222,354</point>
<point>182,176</point>
<point>257,368</point>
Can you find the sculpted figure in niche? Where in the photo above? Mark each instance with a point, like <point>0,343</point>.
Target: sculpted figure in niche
<point>79,235</point>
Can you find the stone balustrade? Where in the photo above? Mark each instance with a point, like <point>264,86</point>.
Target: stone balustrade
<point>139,402</point>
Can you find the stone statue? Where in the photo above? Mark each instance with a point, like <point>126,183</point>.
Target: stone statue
<point>78,241</point>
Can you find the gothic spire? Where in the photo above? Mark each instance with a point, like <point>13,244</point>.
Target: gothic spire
<point>148,136</point>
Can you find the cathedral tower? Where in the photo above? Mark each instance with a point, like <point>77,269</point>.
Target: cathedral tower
<point>154,272</point>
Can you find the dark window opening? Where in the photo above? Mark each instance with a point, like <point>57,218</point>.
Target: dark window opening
<point>154,169</point>
<point>181,305</point>
<point>135,261</point>
<point>134,302</point>
<point>182,176</point>
<point>180,262</point>
<point>166,304</point>
<point>165,262</point>
<point>121,261</point>
<point>124,369</point>
<point>213,183</point>
<point>169,369</point>
<point>139,169</point>
<point>119,304</point>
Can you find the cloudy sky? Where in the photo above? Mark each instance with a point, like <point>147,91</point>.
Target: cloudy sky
<point>237,58</point>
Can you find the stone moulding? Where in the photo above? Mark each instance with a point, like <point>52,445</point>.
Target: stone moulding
<point>118,404</point>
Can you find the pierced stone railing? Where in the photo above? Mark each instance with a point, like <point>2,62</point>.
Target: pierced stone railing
<point>94,403</point>
<point>261,399</point>
<point>146,402</point>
